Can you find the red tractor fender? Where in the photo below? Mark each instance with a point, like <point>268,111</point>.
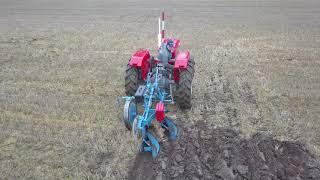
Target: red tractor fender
<point>140,60</point>
<point>181,63</point>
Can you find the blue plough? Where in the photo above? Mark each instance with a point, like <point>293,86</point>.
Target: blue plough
<point>154,95</point>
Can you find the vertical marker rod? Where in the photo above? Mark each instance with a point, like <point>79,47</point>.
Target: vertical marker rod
<point>159,35</point>
<point>162,29</point>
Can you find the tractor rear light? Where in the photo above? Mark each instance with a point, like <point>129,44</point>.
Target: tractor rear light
<point>160,111</point>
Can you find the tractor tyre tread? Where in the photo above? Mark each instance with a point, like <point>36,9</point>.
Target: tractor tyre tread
<point>184,90</point>
<point>131,80</point>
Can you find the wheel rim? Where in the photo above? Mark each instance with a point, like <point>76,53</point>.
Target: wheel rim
<point>129,113</point>
<point>132,112</point>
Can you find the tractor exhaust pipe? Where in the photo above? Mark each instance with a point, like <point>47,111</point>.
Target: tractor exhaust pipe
<point>161,29</point>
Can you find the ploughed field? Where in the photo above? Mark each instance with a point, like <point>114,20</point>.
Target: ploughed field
<point>256,103</point>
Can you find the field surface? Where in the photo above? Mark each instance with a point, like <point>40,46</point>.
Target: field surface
<point>256,90</point>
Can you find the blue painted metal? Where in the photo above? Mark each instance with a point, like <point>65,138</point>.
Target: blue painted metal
<point>154,93</point>
<point>150,144</point>
<point>132,112</point>
<point>171,128</point>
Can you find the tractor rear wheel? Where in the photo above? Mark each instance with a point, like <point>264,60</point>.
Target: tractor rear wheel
<point>184,88</point>
<point>191,65</point>
<point>131,80</point>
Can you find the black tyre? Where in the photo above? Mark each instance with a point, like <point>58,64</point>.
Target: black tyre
<point>131,80</point>
<point>184,88</point>
<point>191,65</point>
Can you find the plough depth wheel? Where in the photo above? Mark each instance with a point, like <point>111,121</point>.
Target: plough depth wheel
<point>129,113</point>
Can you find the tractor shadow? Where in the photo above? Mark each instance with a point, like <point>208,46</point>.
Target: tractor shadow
<point>201,153</point>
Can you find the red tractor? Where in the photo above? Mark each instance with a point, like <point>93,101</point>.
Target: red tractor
<point>179,67</point>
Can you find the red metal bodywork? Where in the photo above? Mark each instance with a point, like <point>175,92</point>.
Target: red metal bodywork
<point>160,112</point>
<point>181,63</point>
<point>182,60</point>
<point>140,60</point>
